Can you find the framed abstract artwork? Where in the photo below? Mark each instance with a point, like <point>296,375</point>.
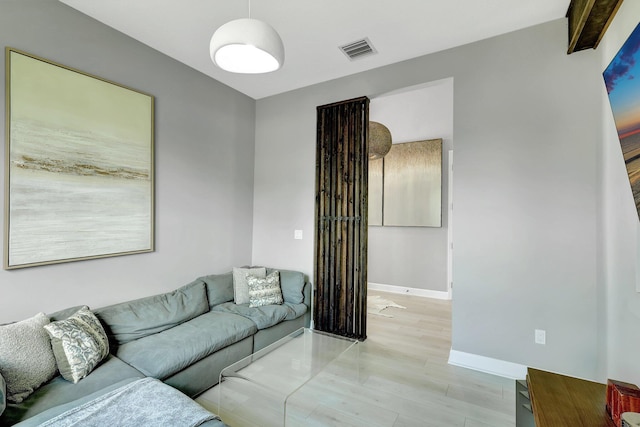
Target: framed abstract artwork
<point>405,187</point>
<point>412,190</point>
<point>79,165</point>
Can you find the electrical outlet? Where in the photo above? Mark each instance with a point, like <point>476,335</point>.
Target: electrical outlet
<point>541,336</point>
<point>297,234</point>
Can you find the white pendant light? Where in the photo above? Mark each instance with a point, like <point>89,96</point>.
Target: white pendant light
<point>247,46</point>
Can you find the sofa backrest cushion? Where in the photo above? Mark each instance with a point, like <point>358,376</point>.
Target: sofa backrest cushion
<point>219,288</point>
<point>135,319</point>
<point>292,284</point>
<point>64,314</point>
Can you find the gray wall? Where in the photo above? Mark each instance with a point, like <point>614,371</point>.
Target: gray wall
<point>204,166</point>
<point>526,126</point>
<point>619,226</point>
<point>414,257</point>
<point>525,190</point>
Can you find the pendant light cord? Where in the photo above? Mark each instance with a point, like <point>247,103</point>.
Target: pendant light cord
<point>249,9</point>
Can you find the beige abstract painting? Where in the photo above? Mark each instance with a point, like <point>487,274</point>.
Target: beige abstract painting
<point>79,169</point>
<point>413,184</point>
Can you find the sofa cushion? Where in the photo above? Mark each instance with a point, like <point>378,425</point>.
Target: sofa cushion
<point>264,291</point>
<point>144,402</point>
<point>264,316</point>
<point>59,391</point>
<point>26,358</point>
<point>79,344</point>
<point>292,284</point>
<point>240,286</point>
<point>162,355</point>
<point>43,417</point>
<point>139,318</point>
<point>219,288</point>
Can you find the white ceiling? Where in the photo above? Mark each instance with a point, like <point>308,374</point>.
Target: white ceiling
<point>312,31</point>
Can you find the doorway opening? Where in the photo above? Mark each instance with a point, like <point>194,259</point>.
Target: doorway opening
<point>416,260</point>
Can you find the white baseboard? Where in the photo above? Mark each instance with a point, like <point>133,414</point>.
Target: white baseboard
<point>488,365</point>
<point>427,293</point>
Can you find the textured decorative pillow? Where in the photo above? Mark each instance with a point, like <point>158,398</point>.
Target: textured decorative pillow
<point>26,359</point>
<point>79,344</point>
<point>240,286</point>
<point>265,291</point>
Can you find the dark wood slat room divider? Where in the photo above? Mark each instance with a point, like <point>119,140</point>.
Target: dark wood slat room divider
<point>342,164</point>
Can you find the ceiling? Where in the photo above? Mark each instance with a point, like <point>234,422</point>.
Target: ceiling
<point>312,31</point>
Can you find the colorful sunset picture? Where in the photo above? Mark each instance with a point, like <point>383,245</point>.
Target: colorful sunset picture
<point>622,79</point>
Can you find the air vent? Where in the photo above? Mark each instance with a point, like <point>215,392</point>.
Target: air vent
<point>358,49</point>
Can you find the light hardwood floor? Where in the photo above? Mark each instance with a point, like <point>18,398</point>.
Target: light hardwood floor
<point>403,379</point>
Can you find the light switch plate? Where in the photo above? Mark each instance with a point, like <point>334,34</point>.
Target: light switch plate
<point>297,234</point>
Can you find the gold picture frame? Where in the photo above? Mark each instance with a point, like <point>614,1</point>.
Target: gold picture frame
<point>79,165</point>
<point>376,168</point>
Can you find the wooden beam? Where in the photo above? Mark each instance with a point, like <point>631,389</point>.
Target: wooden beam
<point>588,21</point>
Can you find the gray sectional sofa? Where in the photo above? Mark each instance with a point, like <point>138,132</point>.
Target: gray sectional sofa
<point>183,338</point>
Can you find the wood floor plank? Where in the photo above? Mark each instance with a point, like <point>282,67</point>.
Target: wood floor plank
<point>401,378</point>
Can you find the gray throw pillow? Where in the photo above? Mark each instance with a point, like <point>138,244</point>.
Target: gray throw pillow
<point>79,344</point>
<point>264,291</point>
<point>240,286</point>
<point>26,358</point>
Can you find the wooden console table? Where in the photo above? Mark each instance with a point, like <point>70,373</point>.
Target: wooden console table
<point>560,401</point>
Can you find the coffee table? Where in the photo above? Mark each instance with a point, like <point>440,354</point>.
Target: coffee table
<point>262,389</point>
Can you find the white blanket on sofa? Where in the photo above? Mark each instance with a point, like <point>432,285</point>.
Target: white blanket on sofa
<point>143,402</point>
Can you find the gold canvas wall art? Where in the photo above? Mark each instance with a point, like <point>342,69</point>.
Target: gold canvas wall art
<point>412,185</point>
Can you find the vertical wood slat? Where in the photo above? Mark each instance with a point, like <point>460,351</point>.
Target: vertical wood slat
<point>347,209</point>
<point>341,273</point>
<point>319,250</point>
<point>341,205</point>
<point>336,289</point>
<point>361,233</point>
